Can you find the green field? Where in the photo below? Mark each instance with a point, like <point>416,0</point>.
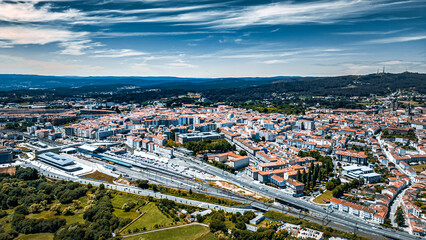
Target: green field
<point>5,223</point>
<point>37,236</point>
<point>208,236</point>
<point>120,199</point>
<point>181,233</point>
<point>326,195</point>
<point>122,214</point>
<point>76,218</point>
<point>152,216</point>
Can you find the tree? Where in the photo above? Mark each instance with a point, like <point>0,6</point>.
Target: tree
<point>240,225</point>
<point>56,208</point>
<point>330,185</point>
<point>68,211</point>
<point>142,184</point>
<point>35,208</point>
<point>26,173</point>
<point>299,176</point>
<point>128,206</point>
<point>217,225</point>
<point>399,216</point>
<point>200,218</point>
<point>243,152</point>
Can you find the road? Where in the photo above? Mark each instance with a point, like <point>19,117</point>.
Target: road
<point>352,222</point>
<point>398,197</point>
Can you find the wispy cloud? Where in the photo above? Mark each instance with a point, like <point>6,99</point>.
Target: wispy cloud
<point>373,32</point>
<point>322,12</point>
<point>73,43</point>
<point>117,53</point>
<point>28,12</point>
<point>156,10</point>
<point>395,39</point>
<point>275,61</point>
<point>37,35</point>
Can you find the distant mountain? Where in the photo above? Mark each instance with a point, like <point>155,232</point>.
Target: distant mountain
<point>17,81</point>
<point>143,89</point>
<point>351,85</point>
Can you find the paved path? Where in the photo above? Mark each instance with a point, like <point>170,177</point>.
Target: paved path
<point>162,229</point>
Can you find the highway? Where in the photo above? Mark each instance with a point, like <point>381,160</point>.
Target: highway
<point>359,225</point>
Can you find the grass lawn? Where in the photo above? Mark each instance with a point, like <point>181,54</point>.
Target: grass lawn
<point>151,217</point>
<point>122,214</point>
<point>326,195</point>
<point>100,176</point>
<point>76,218</point>
<point>208,236</point>
<point>3,223</point>
<point>119,200</point>
<point>182,233</point>
<point>83,201</point>
<point>36,236</point>
<point>419,168</point>
<point>228,223</point>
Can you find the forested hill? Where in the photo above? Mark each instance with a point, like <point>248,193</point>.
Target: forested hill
<point>351,85</point>
<point>233,90</point>
<point>24,82</point>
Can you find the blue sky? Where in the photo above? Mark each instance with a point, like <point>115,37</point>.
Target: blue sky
<point>204,38</point>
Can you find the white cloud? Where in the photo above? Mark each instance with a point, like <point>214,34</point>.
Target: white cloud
<point>5,44</point>
<point>181,63</point>
<point>156,10</point>
<point>396,39</point>
<point>323,12</point>
<point>77,47</point>
<point>35,35</point>
<point>117,53</point>
<point>275,61</point>
<point>400,62</point>
<point>372,32</point>
<point>73,43</point>
<point>28,12</point>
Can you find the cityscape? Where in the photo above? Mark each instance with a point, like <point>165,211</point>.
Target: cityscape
<point>352,169</point>
<point>212,120</point>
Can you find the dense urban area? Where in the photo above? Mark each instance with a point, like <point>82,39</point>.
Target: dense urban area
<point>88,168</point>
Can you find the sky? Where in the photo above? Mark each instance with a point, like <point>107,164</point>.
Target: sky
<point>204,38</point>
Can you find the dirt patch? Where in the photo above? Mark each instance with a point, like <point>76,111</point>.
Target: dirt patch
<point>236,189</point>
<point>9,170</point>
<point>123,181</point>
<point>100,176</point>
